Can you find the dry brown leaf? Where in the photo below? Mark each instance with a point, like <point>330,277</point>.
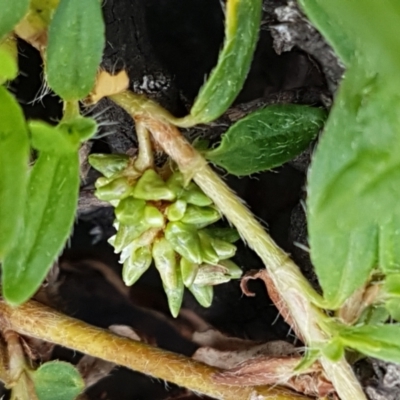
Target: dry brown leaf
<point>277,371</point>
<point>107,85</point>
<point>217,340</point>
<point>273,294</point>
<point>37,349</point>
<point>125,331</point>
<point>93,369</point>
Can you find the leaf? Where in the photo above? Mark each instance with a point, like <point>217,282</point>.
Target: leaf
<point>11,13</point>
<point>8,60</point>
<point>330,28</point>
<point>354,187</point>
<point>267,138</point>
<point>48,218</point>
<point>370,26</point>
<point>14,157</point>
<point>226,80</point>
<point>381,342</point>
<point>77,28</point>
<point>57,380</point>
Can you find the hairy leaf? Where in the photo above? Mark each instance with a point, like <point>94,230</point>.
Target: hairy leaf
<point>14,157</point>
<point>48,217</point>
<point>75,47</point>
<point>267,138</point>
<point>370,27</point>
<point>226,80</point>
<point>57,380</point>
<point>12,11</point>
<point>354,187</point>
<point>382,341</point>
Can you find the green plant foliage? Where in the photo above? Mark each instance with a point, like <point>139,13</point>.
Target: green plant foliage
<point>49,213</point>
<point>8,60</point>
<point>226,80</point>
<point>57,380</point>
<point>267,138</point>
<point>330,27</point>
<point>382,341</point>
<point>354,187</point>
<point>11,13</point>
<point>370,27</point>
<point>334,350</point>
<point>165,221</point>
<point>14,157</point>
<point>77,28</point>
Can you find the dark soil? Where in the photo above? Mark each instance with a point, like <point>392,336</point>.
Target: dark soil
<point>176,43</point>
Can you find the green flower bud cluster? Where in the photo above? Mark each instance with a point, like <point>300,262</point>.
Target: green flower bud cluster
<point>165,221</point>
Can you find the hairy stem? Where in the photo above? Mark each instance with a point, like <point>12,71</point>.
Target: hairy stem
<point>36,320</point>
<point>291,285</point>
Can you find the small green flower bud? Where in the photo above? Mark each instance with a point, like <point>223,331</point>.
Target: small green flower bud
<point>130,211</point>
<point>229,235</point>
<point>233,269</point>
<point>224,249</point>
<point>115,190</point>
<point>188,271</point>
<point>176,210</point>
<point>211,275</point>
<point>153,217</point>
<point>210,256</point>
<point>109,164</point>
<point>200,216</point>
<point>127,233</point>
<point>194,195</point>
<point>136,265</point>
<point>175,183</point>
<point>166,263</point>
<point>102,181</point>
<point>185,241</point>
<point>151,187</point>
<point>203,294</point>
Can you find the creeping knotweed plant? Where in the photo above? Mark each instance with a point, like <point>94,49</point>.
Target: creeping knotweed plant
<point>164,219</point>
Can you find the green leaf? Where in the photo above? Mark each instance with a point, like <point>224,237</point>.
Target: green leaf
<point>230,235</point>
<point>75,47</point>
<point>370,27</point>
<point>330,27</point>
<point>14,158</point>
<point>8,60</point>
<point>354,187</point>
<point>57,380</point>
<point>223,85</point>
<point>381,342</point>
<point>45,137</point>
<point>267,138</point>
<point>48,218</point>
<point>79,128</point>
<point>12,11</point>
<point>392,285</point>
<point>393,308</point>
<point>333,350</point>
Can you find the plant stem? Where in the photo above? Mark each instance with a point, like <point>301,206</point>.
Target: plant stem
<point>36,320</point>
<point>145,158</point>
<point>293,288</point>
